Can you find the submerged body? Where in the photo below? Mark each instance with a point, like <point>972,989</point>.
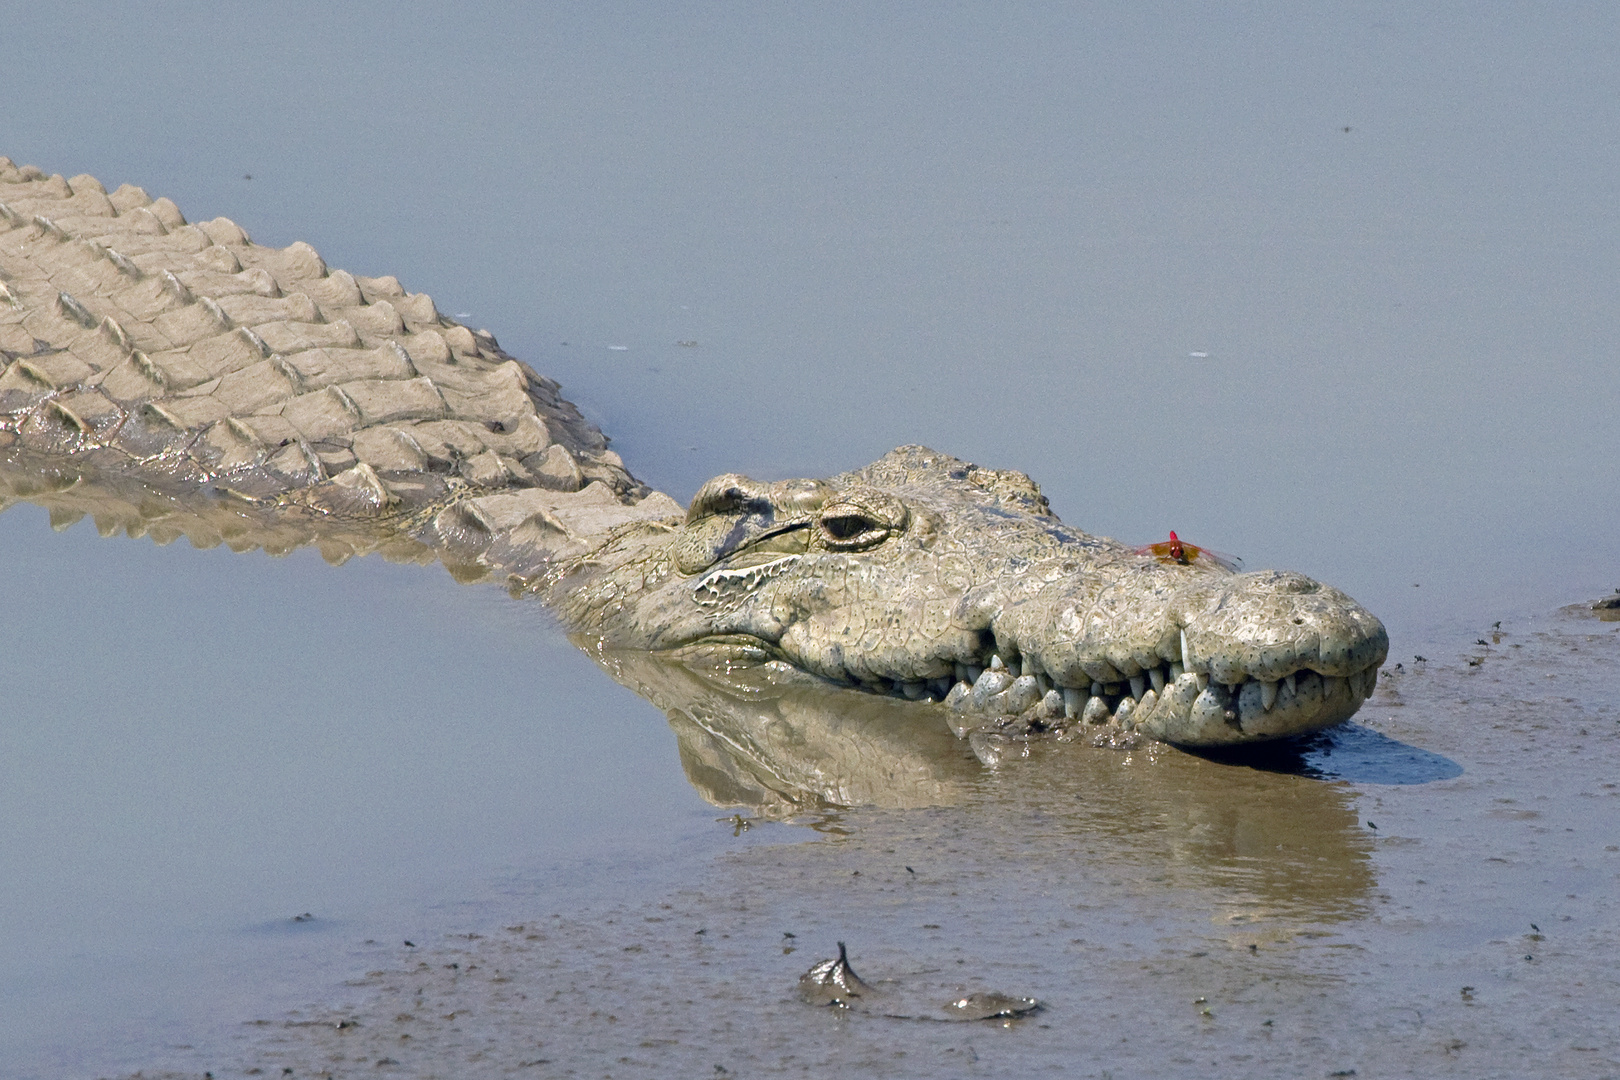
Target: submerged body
<point>178,379</point>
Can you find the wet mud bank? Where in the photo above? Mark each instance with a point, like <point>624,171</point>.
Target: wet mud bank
<point>1427,891</point>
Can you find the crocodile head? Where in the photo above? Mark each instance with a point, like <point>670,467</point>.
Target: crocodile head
<point>925,576</point>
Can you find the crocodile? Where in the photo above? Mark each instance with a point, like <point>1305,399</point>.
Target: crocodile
<point>176,379</point>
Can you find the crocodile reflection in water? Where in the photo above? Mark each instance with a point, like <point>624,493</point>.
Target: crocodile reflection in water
<point>764,738</point>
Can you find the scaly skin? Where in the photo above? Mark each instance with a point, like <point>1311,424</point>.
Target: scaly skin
<point>209,384</point>
<point>922,575</point>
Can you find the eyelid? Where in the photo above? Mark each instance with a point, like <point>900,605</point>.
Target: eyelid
<point>863,530</point>
<point>860,523</point>
<point>878,507</point>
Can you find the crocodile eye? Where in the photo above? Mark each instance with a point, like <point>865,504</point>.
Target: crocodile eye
<point>861,518</point>
<point>849,530</point>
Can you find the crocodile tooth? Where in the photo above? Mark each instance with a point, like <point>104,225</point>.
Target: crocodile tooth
<point>972,673</point>
<point>1096,689</point>
<point>1138,686</point>
<point>1156,676</point>
<point>997,663</point>
<point>913,691</point>
<point>1177,670</point>
<point>1288,681</point>
<point>1203,679</point>
<point>1331,685</point>
<point>1185,656</point>
<point>1268,694</point>
<point>991,683</point>
<point>1017,698</point>
<point>1074,701</point>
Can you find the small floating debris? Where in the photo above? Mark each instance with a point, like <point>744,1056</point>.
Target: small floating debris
<point>834,983</point>
<point>991,1006</point>
<point>618,348</point>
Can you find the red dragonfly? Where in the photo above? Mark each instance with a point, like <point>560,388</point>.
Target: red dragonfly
<point>1177,550</point>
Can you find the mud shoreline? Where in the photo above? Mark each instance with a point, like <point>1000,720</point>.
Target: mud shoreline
<point>1176,915</point>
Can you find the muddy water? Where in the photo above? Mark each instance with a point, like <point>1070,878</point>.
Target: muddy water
<point>1332,292</point>
<point>1356,902</point>
<point>198,746</point>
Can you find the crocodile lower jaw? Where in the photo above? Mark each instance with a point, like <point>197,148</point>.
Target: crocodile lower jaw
<point>1167,703</point>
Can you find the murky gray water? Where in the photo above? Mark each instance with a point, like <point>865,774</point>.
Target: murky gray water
<point>1136,254</point>
<point>199,746</point>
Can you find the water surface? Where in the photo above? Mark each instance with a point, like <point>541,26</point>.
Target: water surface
<point>1331,291</point>
<point>198,747</point>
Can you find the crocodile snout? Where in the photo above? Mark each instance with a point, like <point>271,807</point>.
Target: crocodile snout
<point>1198,658</point>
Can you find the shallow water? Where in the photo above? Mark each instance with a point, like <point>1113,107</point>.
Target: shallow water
<point>1434,912</point>
<point>1134,253</point>
<point>199,746</point>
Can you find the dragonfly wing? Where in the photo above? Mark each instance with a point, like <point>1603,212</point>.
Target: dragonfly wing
<point>1180,551</point>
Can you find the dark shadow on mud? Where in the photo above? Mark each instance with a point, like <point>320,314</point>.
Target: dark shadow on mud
<point>1350,752</point>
